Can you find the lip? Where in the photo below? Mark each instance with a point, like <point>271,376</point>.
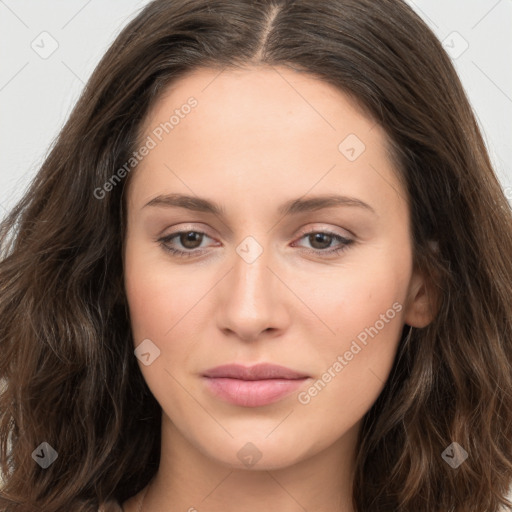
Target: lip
<point>252,386</point>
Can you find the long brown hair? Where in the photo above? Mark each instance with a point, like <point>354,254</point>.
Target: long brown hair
<point>69,375</point>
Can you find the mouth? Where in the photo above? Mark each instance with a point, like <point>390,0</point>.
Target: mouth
<point>253,386</point>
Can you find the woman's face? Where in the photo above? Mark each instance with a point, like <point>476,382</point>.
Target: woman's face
<point>295,251</point>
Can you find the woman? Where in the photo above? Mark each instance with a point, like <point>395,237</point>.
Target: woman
<point>266,265</point>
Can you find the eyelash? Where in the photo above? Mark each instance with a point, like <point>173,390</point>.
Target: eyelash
<point>195,252</point>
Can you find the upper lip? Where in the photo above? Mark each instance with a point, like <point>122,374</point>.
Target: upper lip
<point>257,372</point>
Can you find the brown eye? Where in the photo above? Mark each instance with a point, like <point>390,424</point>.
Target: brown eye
<point>320,240</point>
<point>325,243</point>
<point>184,244</point>
<point>191,239</point>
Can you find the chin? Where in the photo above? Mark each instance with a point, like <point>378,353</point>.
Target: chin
<point>257,452</point>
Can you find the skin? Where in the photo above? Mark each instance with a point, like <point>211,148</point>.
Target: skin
<point>259,137</point>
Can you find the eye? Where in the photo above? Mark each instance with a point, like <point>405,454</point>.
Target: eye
<point>322,240</point>
<point>191,243</point>
<point>190,240</point>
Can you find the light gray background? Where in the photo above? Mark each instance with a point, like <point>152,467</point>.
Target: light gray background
<point>37,94</point>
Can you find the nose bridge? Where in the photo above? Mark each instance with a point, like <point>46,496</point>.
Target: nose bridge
<point>251,298</point>
<point>251,277</point>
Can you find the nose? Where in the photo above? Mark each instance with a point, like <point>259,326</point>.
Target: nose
<point>253,300</point>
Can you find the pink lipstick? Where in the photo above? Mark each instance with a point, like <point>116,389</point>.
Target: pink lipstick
<point>252,386</point>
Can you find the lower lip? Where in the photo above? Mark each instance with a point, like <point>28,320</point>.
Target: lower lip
<point>252,393</point>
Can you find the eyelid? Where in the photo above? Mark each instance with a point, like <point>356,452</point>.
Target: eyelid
<point>322,228</point>
<point>185,228</point>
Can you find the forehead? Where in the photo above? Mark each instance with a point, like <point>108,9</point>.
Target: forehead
<point>276,96</point>
<point>263,127</point>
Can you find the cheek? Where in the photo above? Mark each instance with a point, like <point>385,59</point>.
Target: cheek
<point>166,305</point>
<point>364,308</point>
<point>350,298</point>
<point>160,305</point>
<point>158,297</point>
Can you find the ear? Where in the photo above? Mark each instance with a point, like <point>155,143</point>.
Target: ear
<point>422,300</point>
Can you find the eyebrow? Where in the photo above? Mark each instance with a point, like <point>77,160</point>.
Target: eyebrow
<point>291,207</point>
